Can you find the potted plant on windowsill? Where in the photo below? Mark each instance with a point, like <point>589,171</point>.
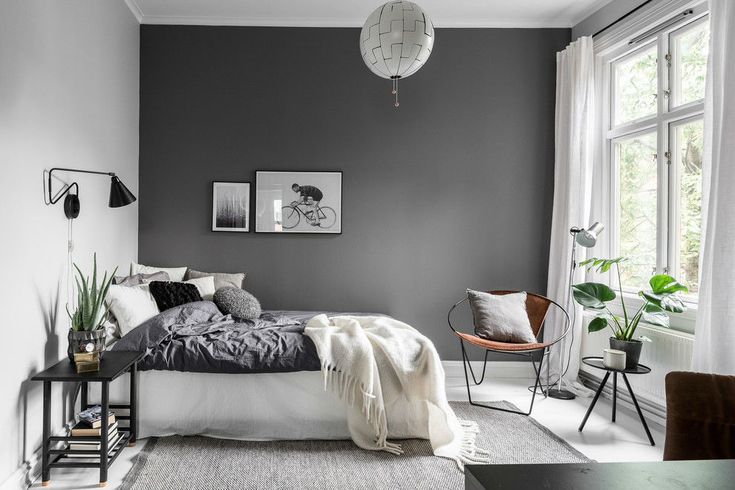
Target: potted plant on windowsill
<point>86,333</point>
<point>660,300</point>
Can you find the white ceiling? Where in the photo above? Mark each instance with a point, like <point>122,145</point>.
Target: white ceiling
<point>352,13</point>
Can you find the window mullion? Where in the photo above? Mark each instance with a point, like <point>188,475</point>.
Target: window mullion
<point>662,238</point>
<point>674,185</point>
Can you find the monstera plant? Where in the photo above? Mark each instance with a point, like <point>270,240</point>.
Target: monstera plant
<point>658,302</point>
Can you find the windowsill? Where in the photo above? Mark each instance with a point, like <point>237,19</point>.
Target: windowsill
<point>680,322</point>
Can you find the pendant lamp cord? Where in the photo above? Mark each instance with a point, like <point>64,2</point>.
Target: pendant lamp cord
<point>395,92</point>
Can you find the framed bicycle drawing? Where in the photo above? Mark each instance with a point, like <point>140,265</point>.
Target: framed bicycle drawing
<point>298,202</point>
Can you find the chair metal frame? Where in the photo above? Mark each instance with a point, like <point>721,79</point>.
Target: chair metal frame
<point>529,353</point>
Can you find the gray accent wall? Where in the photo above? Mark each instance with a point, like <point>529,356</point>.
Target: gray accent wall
<point>451,190</point>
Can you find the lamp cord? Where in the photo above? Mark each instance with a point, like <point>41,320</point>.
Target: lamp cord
<point>568,301</point>
<point>70,263</point>
<point>70,299</point>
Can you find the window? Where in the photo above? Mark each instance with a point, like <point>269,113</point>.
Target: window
<point>635,159</point>
<point>689,56</point>
<point>688,145</point>
<point>636,86</point>
<point>655,144</point>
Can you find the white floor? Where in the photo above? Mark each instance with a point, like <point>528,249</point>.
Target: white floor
<point>601,440</point>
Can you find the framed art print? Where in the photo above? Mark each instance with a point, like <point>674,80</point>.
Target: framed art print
<point>298,202</point>
<point>231,206</point>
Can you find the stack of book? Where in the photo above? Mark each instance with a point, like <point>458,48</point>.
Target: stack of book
<point>90,425</point>
<point>86,362</point>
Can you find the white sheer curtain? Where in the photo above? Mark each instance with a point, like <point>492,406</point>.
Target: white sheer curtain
<point>714,345</point>
<point>575,117</point>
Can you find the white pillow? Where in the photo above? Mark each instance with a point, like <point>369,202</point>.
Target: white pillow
<point>205,285</point>
<point>176,274</point>
<point>501,317</point>
<point>131,305</point>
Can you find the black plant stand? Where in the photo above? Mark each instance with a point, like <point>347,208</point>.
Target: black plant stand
<point>596,362</point>
<point>112,365</point>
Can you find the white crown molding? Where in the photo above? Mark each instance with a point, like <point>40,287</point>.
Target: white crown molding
<point>135,9</point>
<point>330,22</point>
<point>589,11</point>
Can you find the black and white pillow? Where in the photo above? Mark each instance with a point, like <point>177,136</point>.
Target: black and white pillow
<point>170,294</point>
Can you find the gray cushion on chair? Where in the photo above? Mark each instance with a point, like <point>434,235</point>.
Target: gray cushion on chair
<point>502,318</point>
<point>237,302</point>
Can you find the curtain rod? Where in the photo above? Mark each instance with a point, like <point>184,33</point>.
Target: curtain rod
<point>660,27</point>
<point>622,18</point>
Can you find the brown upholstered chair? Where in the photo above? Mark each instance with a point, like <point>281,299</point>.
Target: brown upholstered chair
<point>700,416</point>
<point>537,307</point>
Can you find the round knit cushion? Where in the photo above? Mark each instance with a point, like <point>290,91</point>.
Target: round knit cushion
<point>237,302</point>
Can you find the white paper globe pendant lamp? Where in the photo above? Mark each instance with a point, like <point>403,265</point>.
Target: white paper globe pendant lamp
<point>396,41</point>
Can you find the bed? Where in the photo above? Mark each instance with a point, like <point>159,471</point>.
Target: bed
<point>207,374</point>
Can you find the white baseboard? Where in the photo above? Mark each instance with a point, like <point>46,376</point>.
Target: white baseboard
<point>30,470</point>
<point>25,475</point>
<point>495,369</point>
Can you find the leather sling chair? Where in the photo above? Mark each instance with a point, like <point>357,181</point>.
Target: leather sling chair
<point>537,308</point>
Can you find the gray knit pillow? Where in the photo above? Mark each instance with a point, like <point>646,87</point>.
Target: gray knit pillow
<point>237,302</point>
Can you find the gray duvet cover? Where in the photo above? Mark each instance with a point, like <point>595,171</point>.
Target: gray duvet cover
<point>196,337</point>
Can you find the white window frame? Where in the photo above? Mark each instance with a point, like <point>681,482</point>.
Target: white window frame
<point>613,47</point>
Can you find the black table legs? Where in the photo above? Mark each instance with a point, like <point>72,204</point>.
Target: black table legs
<point>84,399</point>
<point>105,429</point>
<point>133,404</point>
<point>615,395</point>
<point>56,449</point>
<point>45,470</point>
<point>594,400</point>
<point>638,409</point>
<point>614,401</point>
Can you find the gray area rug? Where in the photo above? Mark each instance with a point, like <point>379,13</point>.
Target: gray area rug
<point>170,463</point>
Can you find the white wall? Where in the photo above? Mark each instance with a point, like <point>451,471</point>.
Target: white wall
<point>68,97</point>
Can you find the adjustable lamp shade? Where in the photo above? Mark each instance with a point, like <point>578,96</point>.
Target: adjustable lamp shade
<point>588,238</point>
<point>119,194</point>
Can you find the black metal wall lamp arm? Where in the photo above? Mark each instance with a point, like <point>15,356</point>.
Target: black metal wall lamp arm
<point>119,194</point>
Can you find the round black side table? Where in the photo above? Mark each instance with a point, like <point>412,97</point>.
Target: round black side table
<point>596,362</point>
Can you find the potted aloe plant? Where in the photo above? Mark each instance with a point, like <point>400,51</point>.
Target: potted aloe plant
<point>86,333</point>
<point>660,300</point>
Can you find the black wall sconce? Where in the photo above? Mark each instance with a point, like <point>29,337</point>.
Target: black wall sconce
<point>119,194</point>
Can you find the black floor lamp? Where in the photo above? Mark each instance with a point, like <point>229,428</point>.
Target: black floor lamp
<point>119,194</point>
<point>587,239</point>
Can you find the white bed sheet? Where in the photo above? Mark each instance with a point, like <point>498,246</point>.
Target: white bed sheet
<point>272,406</point>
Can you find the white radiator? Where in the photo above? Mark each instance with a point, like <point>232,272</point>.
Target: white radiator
<point>669,350</point>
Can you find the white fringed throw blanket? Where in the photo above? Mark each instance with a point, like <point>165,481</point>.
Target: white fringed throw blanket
<point>370,362</point>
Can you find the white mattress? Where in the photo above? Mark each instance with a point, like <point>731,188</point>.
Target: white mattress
<point>246,406</point>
